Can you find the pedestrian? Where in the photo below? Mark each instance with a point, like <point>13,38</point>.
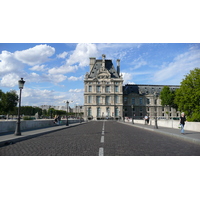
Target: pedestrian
<point>146,119</point>
<point>56,120</point>
<point>182,122</point>
<point>59,119</point>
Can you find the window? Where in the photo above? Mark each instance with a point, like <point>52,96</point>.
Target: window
<point>108,112</point>
<point>89,99</point>
<point>89,112</point>
<point>90,88</point>
<point>116,112</point>
<point>98,89</point>
<point>107,88</point>
<point>133,101</point>
<point>148,101</point>
<point>98,99</point>
<point>125,99</point>
<point>116,99</point>
<point>116,88</point>
<point>98,112</point>
<point>141,101</point>
<point>107,99</point>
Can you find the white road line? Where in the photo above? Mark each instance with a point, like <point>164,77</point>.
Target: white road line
<point>102,139</point>
<point>101,151</point>
<point>102,133</point>
<point>103,125</point>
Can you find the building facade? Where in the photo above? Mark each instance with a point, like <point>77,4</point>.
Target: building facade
<point>141,100</point>
<point>103,90</point>
<point>105,97</point>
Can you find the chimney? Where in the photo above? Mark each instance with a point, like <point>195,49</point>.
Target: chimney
<point>103,61</point>
<point>92,62</point>
<point>118,66</point>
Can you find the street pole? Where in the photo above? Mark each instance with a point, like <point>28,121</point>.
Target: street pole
<point>67,122</point>
<point>132,114</point>
<point>156,123</point>
<point>17,129</point>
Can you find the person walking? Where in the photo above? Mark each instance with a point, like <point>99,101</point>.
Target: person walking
<point>182,122</point>
<point>146,119</point>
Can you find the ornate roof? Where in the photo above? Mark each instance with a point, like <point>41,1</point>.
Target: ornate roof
<point>108,71</point>
<point>146,89</point>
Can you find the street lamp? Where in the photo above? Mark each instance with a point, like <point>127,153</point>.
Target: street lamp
<point>17,129</point>
<point>132,114</point>
<point>67,122</point>
<point>156,124</point>
<point>80,116</point>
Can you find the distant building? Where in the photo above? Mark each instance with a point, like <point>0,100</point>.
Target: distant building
<point>105,97</point>
<point>141,100</point>
<point>103,94</point>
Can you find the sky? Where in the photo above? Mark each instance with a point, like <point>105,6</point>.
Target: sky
<point>54,72</point>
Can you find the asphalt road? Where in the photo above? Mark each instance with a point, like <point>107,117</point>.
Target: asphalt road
<point>108,138</point>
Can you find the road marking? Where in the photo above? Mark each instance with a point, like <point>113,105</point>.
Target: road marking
<point>102,139</point>
<point>103,125</point>
<point>101,151</point>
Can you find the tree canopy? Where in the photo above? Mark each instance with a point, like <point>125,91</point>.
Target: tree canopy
<point>167,97</point>
<point>188,96</point>
<point>8,101</point>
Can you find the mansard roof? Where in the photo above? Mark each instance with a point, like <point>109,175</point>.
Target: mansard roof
<point>108,66</point>
<point>146,89</point>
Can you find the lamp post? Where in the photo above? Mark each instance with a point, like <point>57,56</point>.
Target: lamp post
<point>67,122</point>
<point>156,124</point>
<point>132,114</point>
<point>80,107</point>
<point>17,129</point>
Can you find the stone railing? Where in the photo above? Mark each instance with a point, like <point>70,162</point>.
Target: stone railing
<point>10,125</point>
<point>190,126</point>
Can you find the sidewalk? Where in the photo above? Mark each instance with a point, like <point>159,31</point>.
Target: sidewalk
<point>9,137</point>
<point>190,136</point>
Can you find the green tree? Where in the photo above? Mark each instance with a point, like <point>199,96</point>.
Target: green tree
<point>188,96</point>
<point>167,97</point>
<point>8,101</point>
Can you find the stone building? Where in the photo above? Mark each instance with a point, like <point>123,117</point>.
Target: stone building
<point>103,95</point>
<point>141,100</point>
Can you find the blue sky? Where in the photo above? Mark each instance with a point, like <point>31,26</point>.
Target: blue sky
<point>54,72</point>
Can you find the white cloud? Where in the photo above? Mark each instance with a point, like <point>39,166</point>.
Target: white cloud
<point>53,78</point>
<point>82,53</point>
<point>63,69</point>
<point>10,80</point>
<point>38,97</point>
<point>76,90</point>
<point>180,66</point>
<point>127,78</point>
<point>62,55</point>
<point>139,62</point>
<point>8,64</point>
<point>73,78</point>
<point>36,55</point>
<point>38,68</point>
